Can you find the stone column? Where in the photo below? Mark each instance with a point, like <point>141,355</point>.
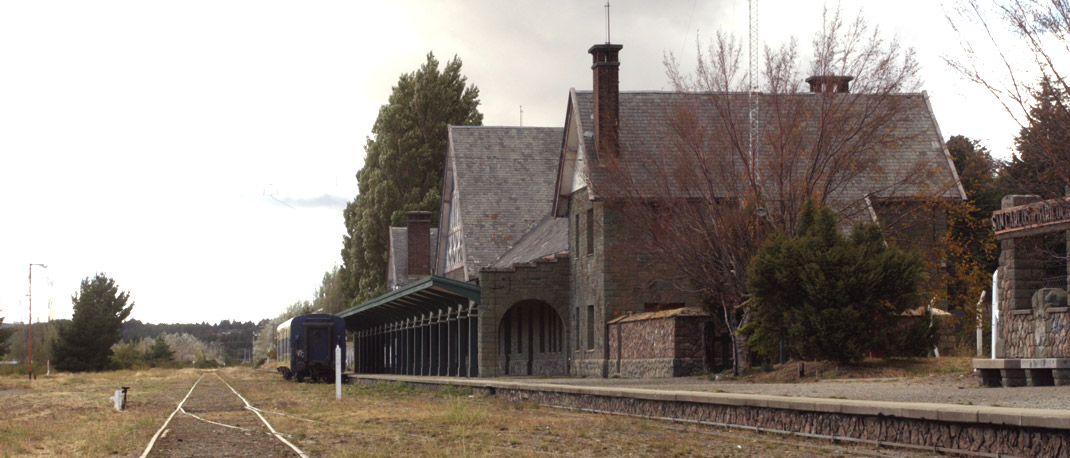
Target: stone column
<point>487,340</point>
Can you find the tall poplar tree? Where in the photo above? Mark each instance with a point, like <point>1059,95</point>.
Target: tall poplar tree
<point>99,311</point>
<point>403,167</point>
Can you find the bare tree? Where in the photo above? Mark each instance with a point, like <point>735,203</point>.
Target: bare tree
<point>1018,51</point>
<point>705,199</point>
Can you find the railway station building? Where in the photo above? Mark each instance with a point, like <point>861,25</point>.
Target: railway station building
<point>533,270</point>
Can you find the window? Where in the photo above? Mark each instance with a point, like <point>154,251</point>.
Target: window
<point>576,249</point>
<point>576,329</point>
<point>590,231</point>
<point>590,327</point>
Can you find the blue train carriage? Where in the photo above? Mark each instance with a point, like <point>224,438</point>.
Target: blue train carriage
<point>305,346</point>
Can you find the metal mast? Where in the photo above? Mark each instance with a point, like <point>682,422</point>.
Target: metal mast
<point>752,95</point>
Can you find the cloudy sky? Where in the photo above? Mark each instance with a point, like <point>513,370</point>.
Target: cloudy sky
<point>201,152</point>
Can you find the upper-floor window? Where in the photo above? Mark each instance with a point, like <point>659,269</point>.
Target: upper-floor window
<point>590,230</point>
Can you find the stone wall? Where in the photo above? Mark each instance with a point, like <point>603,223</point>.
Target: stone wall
<point>928,434</point>
<point>660,344</point>
<point>522,288</point>
<point>969,430</point>
<point>1041,333</point>
<point>586,256</point>
<point>616,273</point>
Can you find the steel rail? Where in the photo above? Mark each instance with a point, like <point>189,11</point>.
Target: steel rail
<point>156,436</point>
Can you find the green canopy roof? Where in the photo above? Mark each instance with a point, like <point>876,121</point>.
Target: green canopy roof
<point>426,295</point>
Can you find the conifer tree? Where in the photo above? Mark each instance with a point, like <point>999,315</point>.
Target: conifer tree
<point>99,311</point>
<point>403,167</point>
<point>832,297</point>
<point>160,353</point>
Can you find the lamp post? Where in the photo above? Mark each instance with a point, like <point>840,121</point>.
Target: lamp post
<point>29,342</point>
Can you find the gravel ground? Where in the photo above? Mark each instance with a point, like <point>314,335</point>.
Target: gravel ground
<point>962,389</point>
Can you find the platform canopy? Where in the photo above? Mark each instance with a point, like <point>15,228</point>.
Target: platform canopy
<point>427,295</point>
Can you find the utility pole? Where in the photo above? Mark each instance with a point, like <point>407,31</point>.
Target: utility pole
<point>29,340</point>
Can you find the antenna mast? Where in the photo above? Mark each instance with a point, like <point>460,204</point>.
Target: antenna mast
<point>607,22</point>
<point>752,94</point>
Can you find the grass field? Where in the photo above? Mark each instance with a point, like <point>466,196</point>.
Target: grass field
<point>70,415</point>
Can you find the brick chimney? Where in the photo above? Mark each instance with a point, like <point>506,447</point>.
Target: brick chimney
<point>418,240</point>
<point>606,99</point>
<point>830,83</point>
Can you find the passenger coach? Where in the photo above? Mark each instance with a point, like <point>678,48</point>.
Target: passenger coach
<point>305,346</point>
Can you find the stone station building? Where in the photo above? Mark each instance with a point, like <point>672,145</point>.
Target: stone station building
<point>1032,319</point>
<point>533,271</point>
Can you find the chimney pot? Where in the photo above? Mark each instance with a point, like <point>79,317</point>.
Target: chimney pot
<point>830,83</point>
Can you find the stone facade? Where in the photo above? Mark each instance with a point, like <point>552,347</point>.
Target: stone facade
<point>613,274</point>
<point>671,343</point>
<point>523,320</point>
<point>1034,321</point>
<point>1040,332</point>
<point>1033,326</point>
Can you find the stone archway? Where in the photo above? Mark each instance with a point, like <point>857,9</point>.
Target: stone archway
<point>531,340</point>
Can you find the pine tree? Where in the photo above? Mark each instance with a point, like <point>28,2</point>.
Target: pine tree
<point>160,353</point>
<point>99,311</point>
<point>1042,163</point>
<point>403,167</point>
<point>828,296</point>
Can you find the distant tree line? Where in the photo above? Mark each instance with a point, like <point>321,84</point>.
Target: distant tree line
<point>234,339</point>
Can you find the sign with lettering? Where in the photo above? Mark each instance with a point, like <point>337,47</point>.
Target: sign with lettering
<point>1031,219</point>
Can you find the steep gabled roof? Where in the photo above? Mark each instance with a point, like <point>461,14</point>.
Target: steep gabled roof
<point>505,184</point>
<point>548,237</point>
<point>647,133</point>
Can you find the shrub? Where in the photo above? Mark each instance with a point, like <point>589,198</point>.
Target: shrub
<point>832,297</point>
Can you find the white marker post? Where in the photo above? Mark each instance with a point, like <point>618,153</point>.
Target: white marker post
<point>995,310</point>
<point>338,372</point>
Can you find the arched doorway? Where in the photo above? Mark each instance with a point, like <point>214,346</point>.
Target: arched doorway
<point>531,337</point>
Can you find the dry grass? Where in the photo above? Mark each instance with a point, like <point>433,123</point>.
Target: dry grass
<point>70,415</point>
<point>391,420</point>
<point>868,369</point>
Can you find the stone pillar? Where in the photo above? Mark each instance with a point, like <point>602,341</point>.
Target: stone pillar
<point>487,344</point>
<point>1013,377</point>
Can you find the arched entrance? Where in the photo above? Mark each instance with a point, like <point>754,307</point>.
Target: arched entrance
<point>531,340</point>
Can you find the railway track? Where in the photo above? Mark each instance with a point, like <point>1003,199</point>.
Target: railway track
<point>215,420</point>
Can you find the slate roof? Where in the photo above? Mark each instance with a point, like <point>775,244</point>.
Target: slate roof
<point>550,236</point>
<point>646,129</point>
<point>398,262</point>
<point>505,184</point>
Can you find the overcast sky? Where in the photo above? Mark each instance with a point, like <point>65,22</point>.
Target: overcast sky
<point>201,152</point>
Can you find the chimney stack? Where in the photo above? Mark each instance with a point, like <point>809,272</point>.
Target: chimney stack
<point>606,99</point>
<point>418,241</point>
<point>830,83</point>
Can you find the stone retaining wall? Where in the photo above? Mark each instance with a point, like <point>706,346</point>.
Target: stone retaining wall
<point>973,430</point>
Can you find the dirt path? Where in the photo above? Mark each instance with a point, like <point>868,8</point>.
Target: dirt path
<point>214,422</point>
